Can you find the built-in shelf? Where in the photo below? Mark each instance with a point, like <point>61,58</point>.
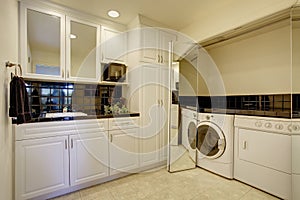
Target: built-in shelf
<point>112,83</point>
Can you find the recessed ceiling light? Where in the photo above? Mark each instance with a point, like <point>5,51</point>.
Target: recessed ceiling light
<point>113,13</point>
<point>72,36</point>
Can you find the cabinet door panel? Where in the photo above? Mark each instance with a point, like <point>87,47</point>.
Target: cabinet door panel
<point>42,166</point>
<point>124,151</point>
<point>88,157</point>
<point>163,115</point>
<point>150,115</point>
<point>165,39</point>
<point>82,40</point>
<point>113,45</point>
<point>149,45</point>
<point>42,43</point>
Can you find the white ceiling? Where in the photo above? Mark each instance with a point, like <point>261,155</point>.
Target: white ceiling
<point>176,14</point>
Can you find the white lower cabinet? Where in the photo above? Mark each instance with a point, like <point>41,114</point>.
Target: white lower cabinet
<point>124,145</point>
<point>88,157</point>
<point>42,166</point>
<point>124,151</point>
<point>53,157</point>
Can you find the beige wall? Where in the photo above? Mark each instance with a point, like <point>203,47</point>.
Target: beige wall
<point>188,80</point>
<point>257,65</point>
<point>296,57</point>
<point>8,51</point>
<point>47,58</point>
<point>233,14</point>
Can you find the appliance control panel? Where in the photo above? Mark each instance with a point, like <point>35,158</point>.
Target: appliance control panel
<point>276,125</point>
<point>220,119</point>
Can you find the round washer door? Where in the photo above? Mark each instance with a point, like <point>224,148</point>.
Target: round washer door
<point>210,140</point>
<point>192,130</point>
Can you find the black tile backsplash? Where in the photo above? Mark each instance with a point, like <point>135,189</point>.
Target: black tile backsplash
<point>91,98</point>
<point>87,98</point>
<point>188,100</point>
<point>278,105</point>
<point>296,104</point>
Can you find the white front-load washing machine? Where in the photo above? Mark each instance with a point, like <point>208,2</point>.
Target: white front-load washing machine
<point>189,130</point>
<point>215,143</point>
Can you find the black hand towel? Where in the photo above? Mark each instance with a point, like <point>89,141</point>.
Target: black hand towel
<point>19,104</point>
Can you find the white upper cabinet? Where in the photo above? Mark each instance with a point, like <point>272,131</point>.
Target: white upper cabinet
<point>150,45</point>
<point>165,39</point>
<point>82,50</point>
<point>113,45</point>
<point>42,42</point>
<point>55,46</point>
<point>155,45</point>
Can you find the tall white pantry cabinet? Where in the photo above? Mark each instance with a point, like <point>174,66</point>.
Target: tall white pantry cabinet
<point>149,91</point>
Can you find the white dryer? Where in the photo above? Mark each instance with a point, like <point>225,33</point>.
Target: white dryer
<point>215,143</point>
<point>189,129</point>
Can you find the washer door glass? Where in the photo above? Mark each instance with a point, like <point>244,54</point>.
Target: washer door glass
<point>210,140</point>
<point>192,129</point>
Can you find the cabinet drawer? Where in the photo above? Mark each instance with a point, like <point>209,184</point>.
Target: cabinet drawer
<point>48,129</point>
<point>123,123</point>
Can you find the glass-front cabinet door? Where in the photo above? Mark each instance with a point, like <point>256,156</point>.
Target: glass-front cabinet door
<point>82,50</point>
<point>57,47</point>
<point>42,43</point>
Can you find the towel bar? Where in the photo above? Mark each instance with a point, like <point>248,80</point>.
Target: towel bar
<point>9,64</point>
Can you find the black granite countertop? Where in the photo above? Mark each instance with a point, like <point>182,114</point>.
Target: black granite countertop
<point>101,116</point>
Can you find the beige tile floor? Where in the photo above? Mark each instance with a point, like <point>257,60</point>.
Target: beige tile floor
<point>195,184</point>
<point>180,158</point>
